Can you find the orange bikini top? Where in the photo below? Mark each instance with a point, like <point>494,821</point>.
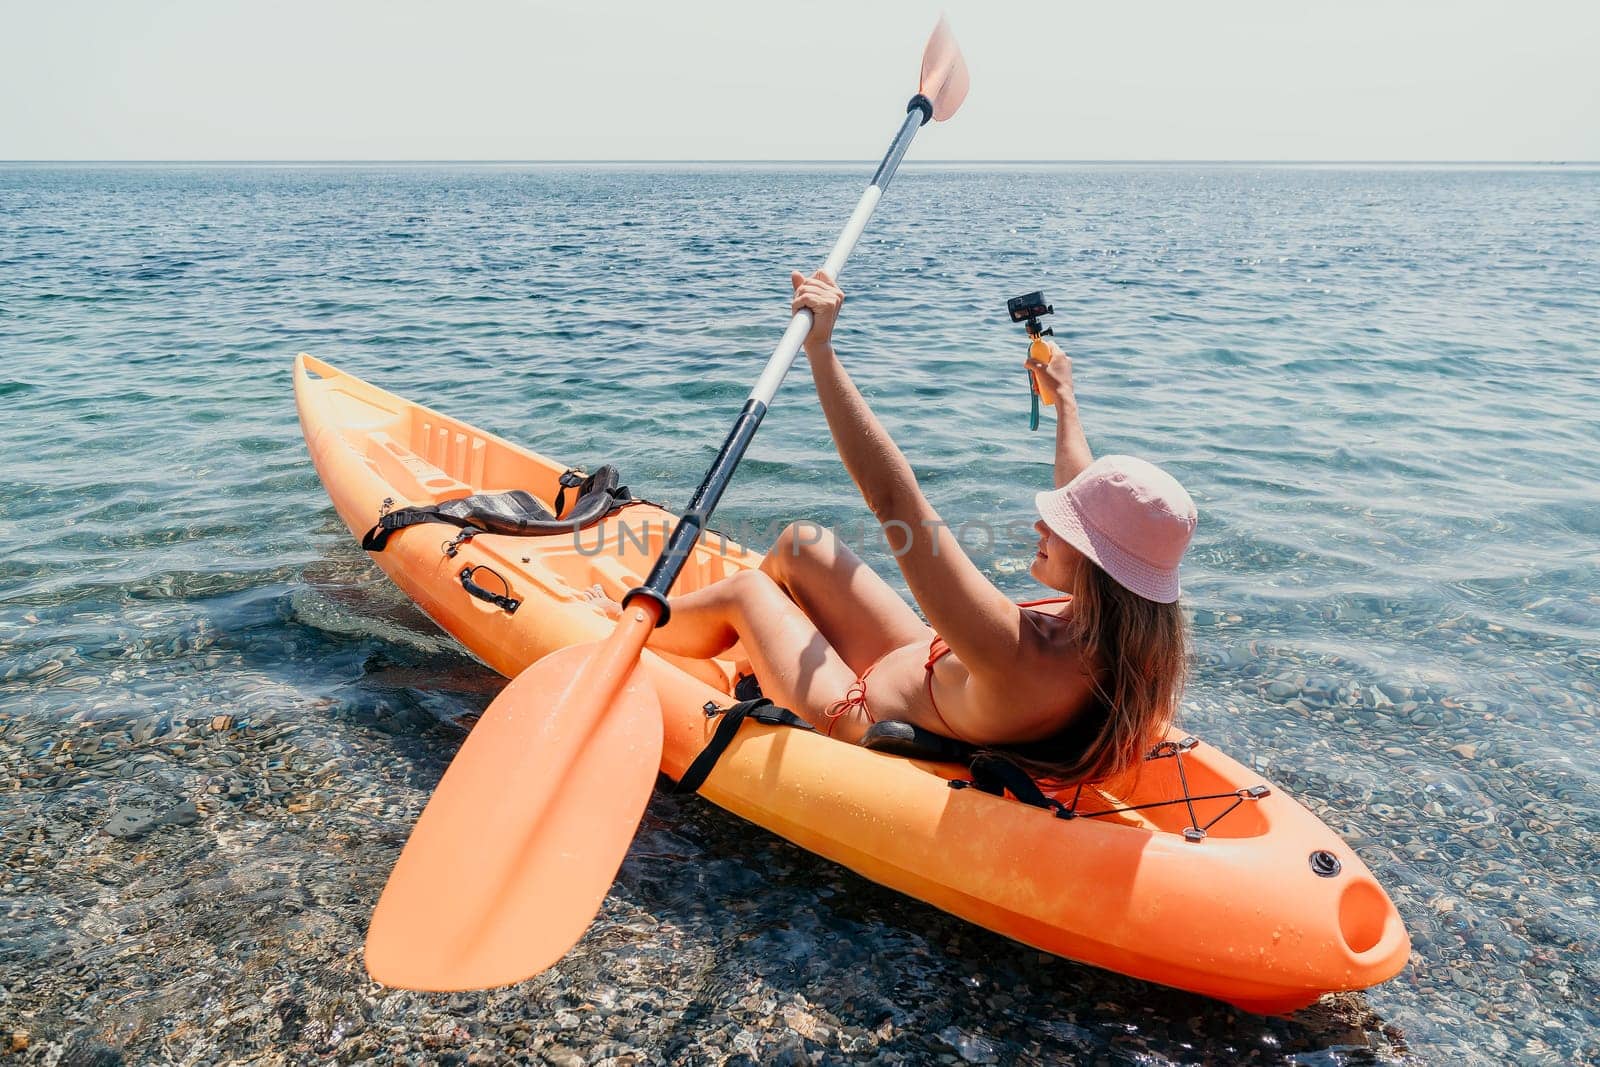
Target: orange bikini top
<point>937,649</point>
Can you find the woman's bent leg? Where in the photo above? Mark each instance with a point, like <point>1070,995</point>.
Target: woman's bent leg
<point>798,669</point>
<point>700,625</point>
<point>797,666</point>
<point>857,612</point>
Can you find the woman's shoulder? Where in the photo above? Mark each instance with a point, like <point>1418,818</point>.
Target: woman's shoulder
<point>1051,683</point>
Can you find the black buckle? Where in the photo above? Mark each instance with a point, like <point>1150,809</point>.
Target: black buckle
<point>450,548</point>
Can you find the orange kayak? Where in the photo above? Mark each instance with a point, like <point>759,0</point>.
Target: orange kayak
<point>1266,908</point>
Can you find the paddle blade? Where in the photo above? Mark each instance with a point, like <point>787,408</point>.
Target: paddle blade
<point>516,849</point>
<point>944,72</point>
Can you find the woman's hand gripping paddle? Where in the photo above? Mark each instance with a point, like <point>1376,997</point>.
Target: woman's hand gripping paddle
<point>513,855</point>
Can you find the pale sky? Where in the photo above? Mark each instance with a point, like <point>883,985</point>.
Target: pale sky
<point>723,79</point>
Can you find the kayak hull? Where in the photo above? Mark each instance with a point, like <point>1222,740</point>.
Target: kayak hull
<point>1242,915</point>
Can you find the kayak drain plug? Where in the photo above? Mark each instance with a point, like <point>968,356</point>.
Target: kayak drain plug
<point>1325,864</point>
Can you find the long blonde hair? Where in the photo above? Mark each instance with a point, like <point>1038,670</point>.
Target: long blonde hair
<point>1141,649</point>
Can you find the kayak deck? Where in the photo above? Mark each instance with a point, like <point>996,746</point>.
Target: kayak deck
<point>1240,912</point>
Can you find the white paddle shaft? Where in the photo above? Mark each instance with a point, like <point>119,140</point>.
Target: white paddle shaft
<point>687,531</point>
<point>789,346</point>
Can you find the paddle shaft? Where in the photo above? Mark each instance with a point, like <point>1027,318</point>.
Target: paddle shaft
<point>684,535</point>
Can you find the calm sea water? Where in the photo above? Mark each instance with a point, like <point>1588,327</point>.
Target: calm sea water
<point>217,720</point>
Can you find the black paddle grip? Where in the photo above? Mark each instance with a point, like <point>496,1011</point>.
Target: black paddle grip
<point>681,543</point>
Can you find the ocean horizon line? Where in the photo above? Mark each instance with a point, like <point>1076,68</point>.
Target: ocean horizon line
<point>377,162</point>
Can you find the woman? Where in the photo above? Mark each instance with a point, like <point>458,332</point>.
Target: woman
<point>1089,679</point>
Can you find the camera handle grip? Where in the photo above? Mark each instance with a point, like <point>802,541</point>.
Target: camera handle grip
<point>1042,351</point>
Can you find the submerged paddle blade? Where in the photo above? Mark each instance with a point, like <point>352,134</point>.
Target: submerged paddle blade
<point>515,851</point>
<point>944,72</point>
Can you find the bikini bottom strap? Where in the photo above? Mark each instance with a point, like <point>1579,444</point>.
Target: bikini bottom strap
<point>855,699</point>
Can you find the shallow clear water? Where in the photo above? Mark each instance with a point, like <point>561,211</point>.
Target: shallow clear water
<point>217,720</point>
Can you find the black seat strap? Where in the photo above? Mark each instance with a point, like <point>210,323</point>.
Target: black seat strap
<point>377,538</point>
<point>515,512</point>
<point>761,709</point>
<point>998,776</point>
<point>572,478</point>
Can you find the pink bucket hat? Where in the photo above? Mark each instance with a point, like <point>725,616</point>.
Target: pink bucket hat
<point>1130,517</point>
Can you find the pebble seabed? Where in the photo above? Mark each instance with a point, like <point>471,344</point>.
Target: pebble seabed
<point>192,885</point>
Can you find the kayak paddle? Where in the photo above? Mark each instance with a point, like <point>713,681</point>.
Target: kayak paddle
<point>513,855</point>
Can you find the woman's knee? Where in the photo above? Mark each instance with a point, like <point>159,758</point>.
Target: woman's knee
<point>751,586</point>
<point>800,543</point>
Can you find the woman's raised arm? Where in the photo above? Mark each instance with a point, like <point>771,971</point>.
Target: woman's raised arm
<point>1072,448</point>
<point>981,625</point>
